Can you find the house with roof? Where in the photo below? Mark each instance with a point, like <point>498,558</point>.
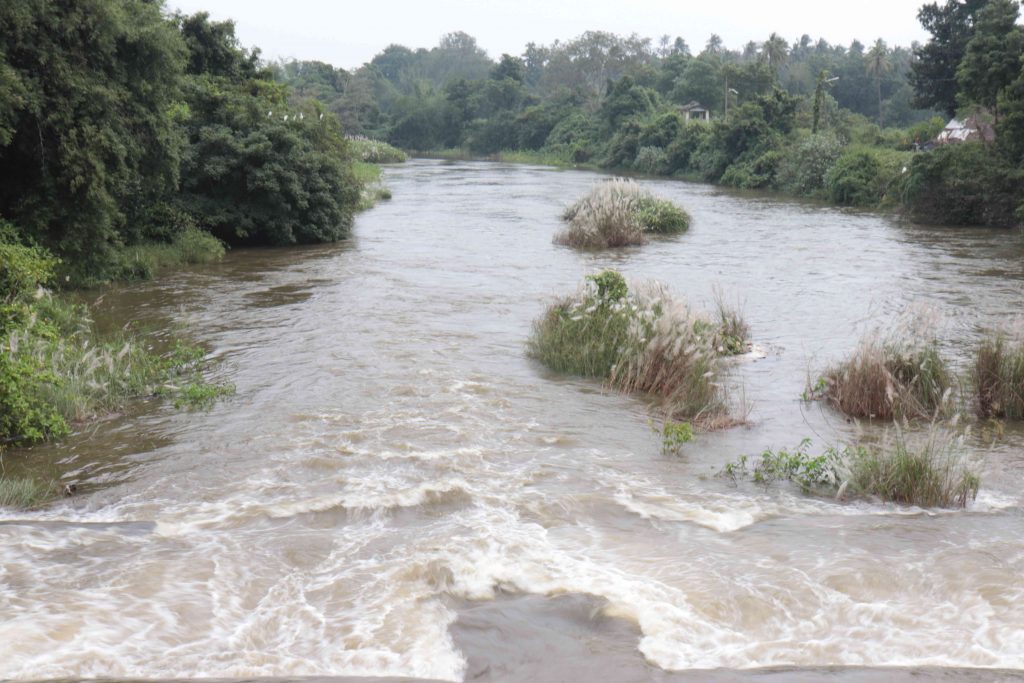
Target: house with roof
<point>694,111</point>
<point>970,129</point>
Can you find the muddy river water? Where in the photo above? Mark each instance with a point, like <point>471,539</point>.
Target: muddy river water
<point>396,490</point>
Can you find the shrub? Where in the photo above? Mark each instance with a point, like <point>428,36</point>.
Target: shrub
<point>852,179</point>
<point>998,378</point>
<point>638,340</point>
<point>802,170</point>
<point>964,184</point>
<point>650,160</point>
<point>890,378</point>
<point>618,213</point>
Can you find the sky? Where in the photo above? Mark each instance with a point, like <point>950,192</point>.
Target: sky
<point>348,33</point>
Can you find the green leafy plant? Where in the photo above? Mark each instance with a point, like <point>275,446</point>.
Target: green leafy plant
<point>674,435</point>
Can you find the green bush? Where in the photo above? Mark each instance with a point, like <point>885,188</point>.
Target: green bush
<point>804,165</point>
<point>964,184</point>
<point>853,179</point>
<point>375,151</point>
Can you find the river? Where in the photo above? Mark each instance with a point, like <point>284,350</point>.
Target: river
<point>396,490</point>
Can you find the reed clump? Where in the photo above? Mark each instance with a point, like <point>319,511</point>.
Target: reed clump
<point>930,472</point>
<point>619,213</point>
<point>898,376</point>
<point>998,378</point>
<point>372,151</point>
<point>22,492</point>
<point>637,340</point>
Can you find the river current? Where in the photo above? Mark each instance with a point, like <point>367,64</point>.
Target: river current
<point>396,490</point>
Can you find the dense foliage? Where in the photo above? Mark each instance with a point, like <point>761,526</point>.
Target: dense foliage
<point>120,125</point>
<point>841,123</point>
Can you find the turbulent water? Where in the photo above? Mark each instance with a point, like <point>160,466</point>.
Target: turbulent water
<point>392,460</point>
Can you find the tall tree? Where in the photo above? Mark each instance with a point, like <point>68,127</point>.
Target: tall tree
<point>993,56</point>
<point>933,73</point>
<point>86,127</point>
<point>774,52</point>
<point>877,66</point>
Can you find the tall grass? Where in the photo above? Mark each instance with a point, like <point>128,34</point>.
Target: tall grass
<point>639,340</point>
<point>998,378</point>
<point>20,492</point>
<point>619,213</point>
<point>372,189</point>
<point>190,246</point>
<point>901,375</point>
<point>931,472</point>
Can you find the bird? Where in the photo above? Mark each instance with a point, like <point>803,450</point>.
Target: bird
<point>270,113</point>
<point>321,116</point>
<point>286,117</point>
<point>302,116</point>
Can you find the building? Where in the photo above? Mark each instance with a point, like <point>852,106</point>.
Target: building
<point>693,111</point>
<point>971,129</point>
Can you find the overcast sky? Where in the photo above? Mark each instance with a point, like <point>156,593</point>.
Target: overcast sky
<point>347,34</point>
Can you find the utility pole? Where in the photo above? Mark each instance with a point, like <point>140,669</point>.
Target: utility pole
<point>819,94</point>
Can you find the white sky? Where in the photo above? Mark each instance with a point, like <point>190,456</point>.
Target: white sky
<point>347,33</point>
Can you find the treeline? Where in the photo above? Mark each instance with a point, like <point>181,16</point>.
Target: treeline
<point>121,125</point>
<point>809,118</point>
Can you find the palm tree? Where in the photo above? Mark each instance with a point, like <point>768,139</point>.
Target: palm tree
<point>775,51</point>
<point>878,64</point>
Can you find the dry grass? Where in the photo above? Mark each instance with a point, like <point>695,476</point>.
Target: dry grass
<point>900,375</point>
<point>619,213</point>
<point>998,378</point>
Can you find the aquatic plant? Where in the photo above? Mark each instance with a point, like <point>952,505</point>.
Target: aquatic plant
<point>732,332</point>
<point>674,435</point>
<point>618,213</point>
<point>929,471</point>
<point>998,378</point>
<point>638,340</point>
<point>901,375</point>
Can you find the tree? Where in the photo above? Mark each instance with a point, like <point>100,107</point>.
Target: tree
<point>774,52</point>
<point>933,73</point>
<point>87,133</point>
<point>878,65</point>
<point>992,59</point>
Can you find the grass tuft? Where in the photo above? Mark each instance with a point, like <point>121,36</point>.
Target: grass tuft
<point>998,378</point>
<point>20,492</point>
<point>619,213</point>
<point>900,376</point>
<point>375,151</point>
<point>639,340</point>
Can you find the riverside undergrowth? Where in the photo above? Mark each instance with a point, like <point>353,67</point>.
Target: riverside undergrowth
<point>57,371</point>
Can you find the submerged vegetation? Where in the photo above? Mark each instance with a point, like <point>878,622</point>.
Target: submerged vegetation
<point>931,471</point>
<point>637,339</point>
<point>619,213</point>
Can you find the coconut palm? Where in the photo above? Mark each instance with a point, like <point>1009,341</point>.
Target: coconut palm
<point>878,64</point>
<point>775,51</point>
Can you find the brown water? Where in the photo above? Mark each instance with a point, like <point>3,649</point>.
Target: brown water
<point>392,462</point>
